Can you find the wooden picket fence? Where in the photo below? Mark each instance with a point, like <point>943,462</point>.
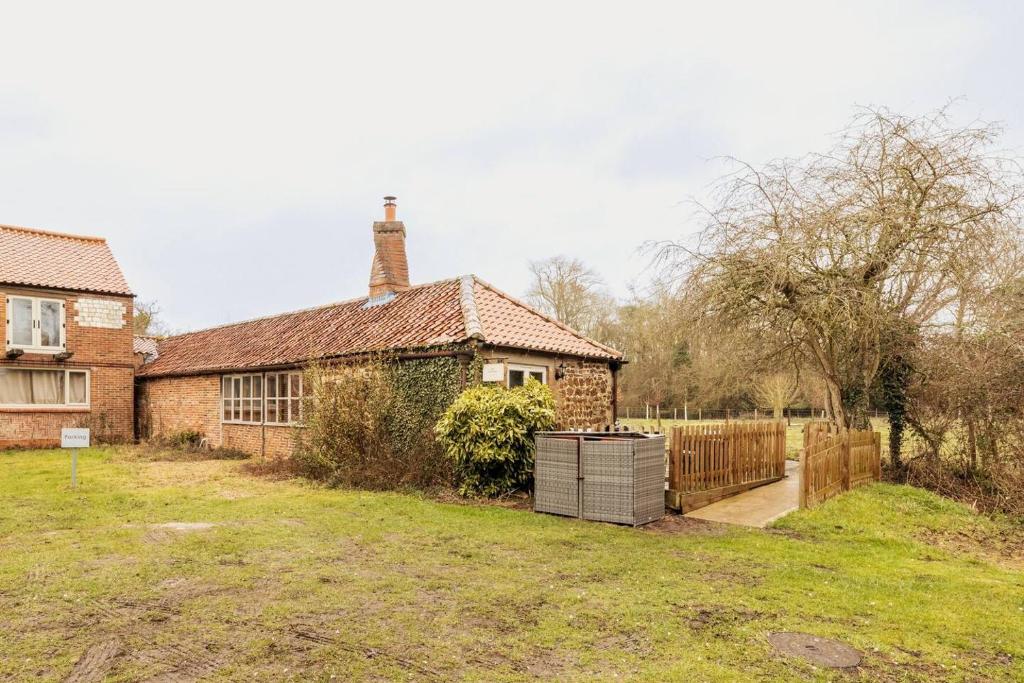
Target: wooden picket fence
<point>816,430</point>
<point>837,462</point>
<point>712,461</point>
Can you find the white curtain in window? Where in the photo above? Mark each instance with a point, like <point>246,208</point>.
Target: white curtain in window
<point>15,387</point>
<point>47,386</point>
<point>76,387</point>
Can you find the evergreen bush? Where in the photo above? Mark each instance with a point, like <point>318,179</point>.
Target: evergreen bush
<point>487,434</point>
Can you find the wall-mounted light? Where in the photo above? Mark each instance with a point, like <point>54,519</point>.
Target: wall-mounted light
<point>560,371</point>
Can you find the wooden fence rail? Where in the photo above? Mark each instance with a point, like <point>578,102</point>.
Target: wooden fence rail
<point>711,461</point>
<point>831,463</point>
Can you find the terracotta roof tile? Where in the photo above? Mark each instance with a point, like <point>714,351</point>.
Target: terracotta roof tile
<point>424,316</point>
<point>39,258</point>
<point>509,322</point>
<point>147,346</point>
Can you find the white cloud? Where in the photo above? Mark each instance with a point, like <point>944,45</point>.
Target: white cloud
<point>235,153</point>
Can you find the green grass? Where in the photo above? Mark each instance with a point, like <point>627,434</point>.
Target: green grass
<point>794,432</point>
<point>296,582</point>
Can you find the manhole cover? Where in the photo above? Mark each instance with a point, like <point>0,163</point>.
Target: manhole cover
<point>821,651</point>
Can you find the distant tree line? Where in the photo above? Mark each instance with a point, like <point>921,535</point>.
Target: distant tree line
<point>887,272</point>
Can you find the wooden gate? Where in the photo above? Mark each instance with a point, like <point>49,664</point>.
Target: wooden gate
<point>839,462</point>
<point>710,462</point>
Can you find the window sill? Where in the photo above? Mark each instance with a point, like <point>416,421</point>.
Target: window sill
<point>37,350</point>
<point>261,424</point>
<point>45,409</point>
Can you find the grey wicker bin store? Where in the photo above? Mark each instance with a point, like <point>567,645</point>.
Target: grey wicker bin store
<point>603,476</point>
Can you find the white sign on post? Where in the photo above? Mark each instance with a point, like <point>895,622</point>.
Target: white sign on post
<point>494,372</point>
<point>74,438</point>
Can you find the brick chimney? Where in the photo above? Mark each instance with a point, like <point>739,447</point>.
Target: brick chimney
<point>390,270</point>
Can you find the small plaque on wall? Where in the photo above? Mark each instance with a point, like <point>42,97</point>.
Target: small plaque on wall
<point>494,372</point>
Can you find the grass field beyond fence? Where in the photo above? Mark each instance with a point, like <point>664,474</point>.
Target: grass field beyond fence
<point>200,570</point>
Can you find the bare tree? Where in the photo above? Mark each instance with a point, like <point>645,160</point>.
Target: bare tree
<point>566,289</point>
<point>146,320</point>
<point>825,256</point>
<point>777,390</point>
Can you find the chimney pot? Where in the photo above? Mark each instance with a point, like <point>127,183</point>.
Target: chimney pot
<point>389,208</point>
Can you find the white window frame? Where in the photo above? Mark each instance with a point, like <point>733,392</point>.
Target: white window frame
<point>285,400</point>
<point>37,331</point>
<point>67,389</point>
<point>526,370</point>
<point>252,397</point>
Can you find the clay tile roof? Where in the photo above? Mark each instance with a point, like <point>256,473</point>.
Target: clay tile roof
<point>147,346</point>
<point>509,322</point>
<point>38,258</point>
<point>424,316</point>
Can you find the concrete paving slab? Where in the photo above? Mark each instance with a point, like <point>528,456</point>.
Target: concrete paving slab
<point>758,507</point>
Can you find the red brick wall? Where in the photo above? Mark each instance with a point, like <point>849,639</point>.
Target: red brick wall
<point>105,352</point>
<point>174,404</point>
<point>275,441</point>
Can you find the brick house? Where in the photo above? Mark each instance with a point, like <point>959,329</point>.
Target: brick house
<point>241,384</point>
<point>68,328</point>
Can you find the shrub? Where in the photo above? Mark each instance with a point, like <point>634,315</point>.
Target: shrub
<point>366,427</point>
<point>488,435</point>
<point>185,439</point>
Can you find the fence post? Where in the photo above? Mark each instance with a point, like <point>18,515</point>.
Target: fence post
<point>844,458</point>
<point>804,479</point>
<point>732,452</point>
<point>686,415</point>
<point>877,463</point>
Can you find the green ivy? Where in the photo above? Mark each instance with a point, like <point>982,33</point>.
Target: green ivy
<point>426,387</point>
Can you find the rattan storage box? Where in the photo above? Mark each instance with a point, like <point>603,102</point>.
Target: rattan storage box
<point>604,476</point>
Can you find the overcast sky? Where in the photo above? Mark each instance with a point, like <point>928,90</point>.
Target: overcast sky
<point>235,155</point>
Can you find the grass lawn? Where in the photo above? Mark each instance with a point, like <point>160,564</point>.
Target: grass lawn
<point>201,570</point>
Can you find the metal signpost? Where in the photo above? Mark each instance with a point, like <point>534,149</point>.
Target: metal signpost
<point>74,438</point>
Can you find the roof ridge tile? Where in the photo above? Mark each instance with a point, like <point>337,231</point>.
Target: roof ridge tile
<point>470,314</point>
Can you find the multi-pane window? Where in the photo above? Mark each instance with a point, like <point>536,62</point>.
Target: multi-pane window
<point>35,324</point>
<point>284,397</point>
<point>242,398</point>
<point>31,387</point>
<point>518,374</point>
<point>246,399</point>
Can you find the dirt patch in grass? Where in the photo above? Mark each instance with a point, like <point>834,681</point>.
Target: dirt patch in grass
<point>1003,545</point>
<point>306,635</point>
<point>177,662</point>
<point>166,531</point>
<point>681,524</point>
<point>95,662</point>
<point>716,619</point>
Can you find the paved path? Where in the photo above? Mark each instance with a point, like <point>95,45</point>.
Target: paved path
<point>758,507</point>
